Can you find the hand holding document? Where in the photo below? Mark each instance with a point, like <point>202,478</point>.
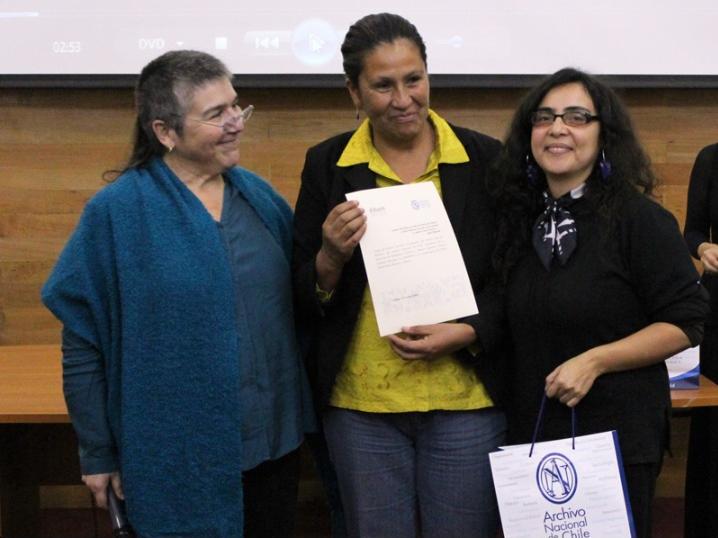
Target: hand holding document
<point>413,263</point>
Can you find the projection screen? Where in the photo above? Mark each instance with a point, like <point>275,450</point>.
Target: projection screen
<point>636,38</point>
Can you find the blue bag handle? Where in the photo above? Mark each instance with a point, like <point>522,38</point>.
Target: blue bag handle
<point>539,423</point>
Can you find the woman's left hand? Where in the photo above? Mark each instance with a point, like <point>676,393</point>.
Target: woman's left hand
<point>572,380</point>
<point>431,341</point>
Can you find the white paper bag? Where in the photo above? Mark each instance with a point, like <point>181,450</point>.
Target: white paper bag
<point>564,489</point>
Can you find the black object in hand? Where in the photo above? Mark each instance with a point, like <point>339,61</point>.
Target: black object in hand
<point>120,527</point>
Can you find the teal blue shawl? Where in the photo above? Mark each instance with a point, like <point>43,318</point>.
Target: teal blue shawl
<point>145,279</point>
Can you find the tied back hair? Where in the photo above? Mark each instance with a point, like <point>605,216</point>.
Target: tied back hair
<point>519,202</point>
<point>371,31</point>
<point>164,91</point>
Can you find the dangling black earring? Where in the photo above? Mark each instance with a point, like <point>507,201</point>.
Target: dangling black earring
<point>357,109</point>
<point>605,167</point>
<point>532,172</point>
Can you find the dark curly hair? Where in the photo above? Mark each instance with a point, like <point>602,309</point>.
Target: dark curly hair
<point>369,32</point>
<point>519,202</point>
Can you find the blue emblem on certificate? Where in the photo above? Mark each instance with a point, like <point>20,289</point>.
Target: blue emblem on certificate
<point>556,478</point>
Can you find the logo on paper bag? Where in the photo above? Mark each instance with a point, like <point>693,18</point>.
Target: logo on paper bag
<point>556,478</point>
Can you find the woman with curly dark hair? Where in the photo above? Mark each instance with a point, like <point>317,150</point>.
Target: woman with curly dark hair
<point>599,286</point>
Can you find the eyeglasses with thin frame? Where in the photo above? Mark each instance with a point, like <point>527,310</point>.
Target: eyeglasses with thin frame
<point>236,113</point>
<point>573,117</point>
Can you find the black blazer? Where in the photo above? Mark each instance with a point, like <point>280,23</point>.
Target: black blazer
<point>324,185</point>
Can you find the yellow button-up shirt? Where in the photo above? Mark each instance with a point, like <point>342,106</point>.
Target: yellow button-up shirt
<point>373,377</point>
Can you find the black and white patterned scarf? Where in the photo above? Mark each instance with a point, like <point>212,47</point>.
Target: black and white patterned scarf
<point>554,233</point>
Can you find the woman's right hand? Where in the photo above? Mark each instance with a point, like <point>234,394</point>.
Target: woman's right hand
<point>97,484</point>
<point>342,229</point>
<point>709,257</point>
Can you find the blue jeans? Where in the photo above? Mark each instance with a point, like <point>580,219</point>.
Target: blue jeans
<point>404,475</point>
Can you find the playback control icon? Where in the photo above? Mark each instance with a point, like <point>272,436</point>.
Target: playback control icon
<point>267,42</point>
<point>315,42</point>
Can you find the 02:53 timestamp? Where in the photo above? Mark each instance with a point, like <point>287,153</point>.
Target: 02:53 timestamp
<point>66,47</point>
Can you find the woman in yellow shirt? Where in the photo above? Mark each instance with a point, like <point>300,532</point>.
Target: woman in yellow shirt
<point>409,419</point>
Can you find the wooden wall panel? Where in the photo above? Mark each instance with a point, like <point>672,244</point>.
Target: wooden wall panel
<point>55,144</point>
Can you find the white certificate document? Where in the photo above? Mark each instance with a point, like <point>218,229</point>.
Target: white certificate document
<point>415,270</point>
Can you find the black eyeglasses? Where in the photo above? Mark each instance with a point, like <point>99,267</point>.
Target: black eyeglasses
<point>574,117</point>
